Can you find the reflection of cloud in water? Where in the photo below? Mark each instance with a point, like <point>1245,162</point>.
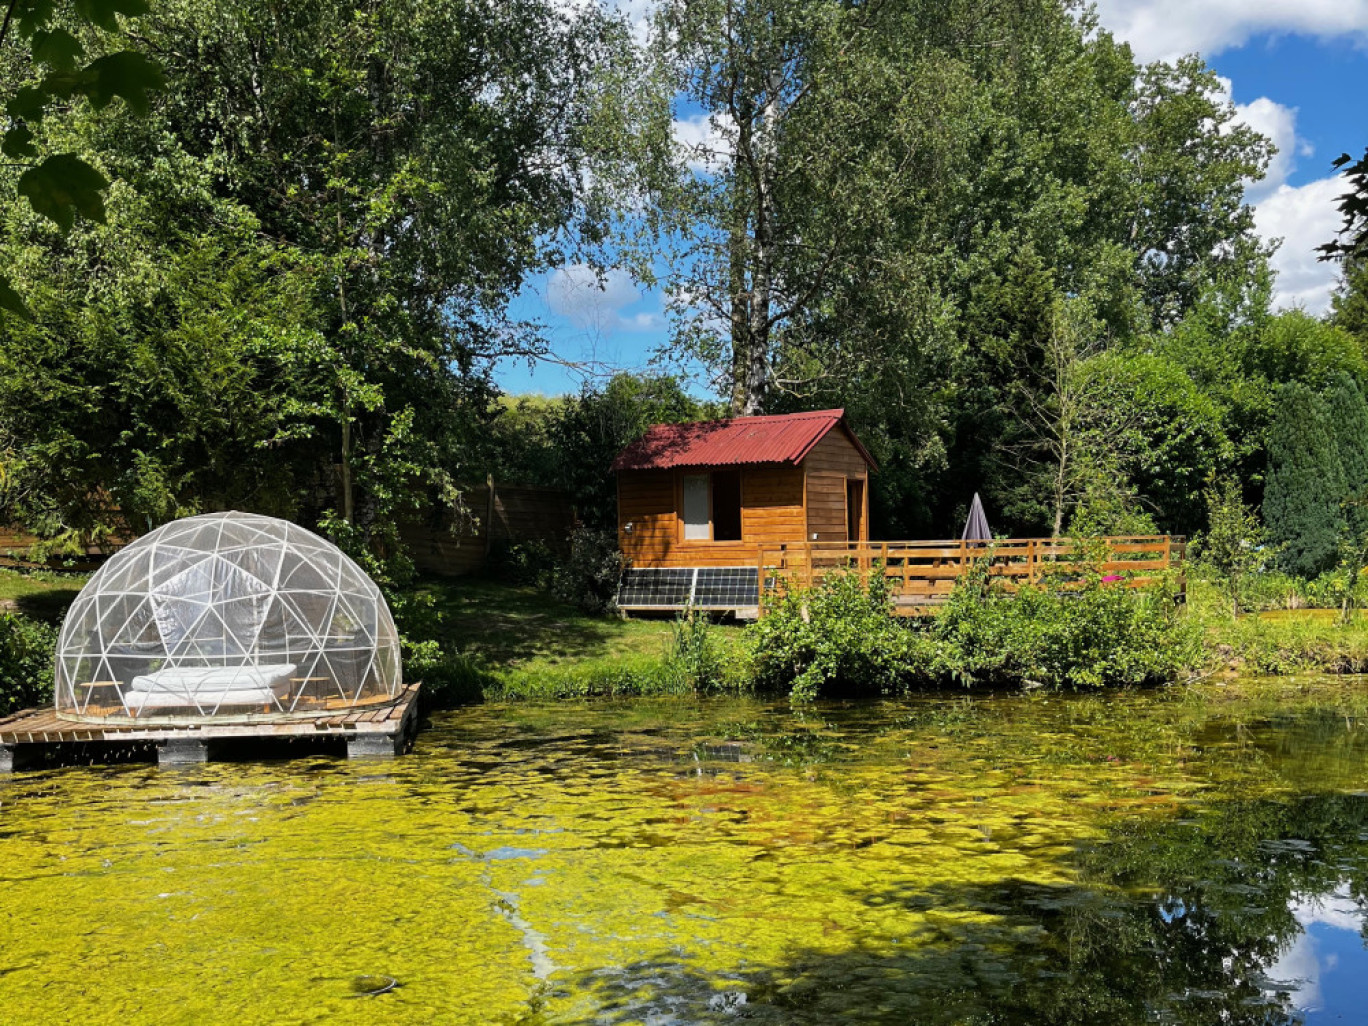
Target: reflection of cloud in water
<point>1329,937</point>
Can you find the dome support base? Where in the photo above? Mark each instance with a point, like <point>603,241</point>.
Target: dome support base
<point>181,752</point>
<point>40,737</point>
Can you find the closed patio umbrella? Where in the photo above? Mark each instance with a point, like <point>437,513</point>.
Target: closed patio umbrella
<point>976,527</point>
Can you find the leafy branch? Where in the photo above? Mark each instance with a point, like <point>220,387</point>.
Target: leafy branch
<point>63,184</point>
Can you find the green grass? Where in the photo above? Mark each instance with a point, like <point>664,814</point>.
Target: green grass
<point>41,594</point>
<point>1278,642</point>
<point>519,642</point>
<point>509,642</point>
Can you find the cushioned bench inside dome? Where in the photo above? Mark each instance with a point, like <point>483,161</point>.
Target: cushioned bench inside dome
<point>210,687</point>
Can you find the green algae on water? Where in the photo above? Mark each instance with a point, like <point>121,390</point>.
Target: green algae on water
<point>1133,858</point>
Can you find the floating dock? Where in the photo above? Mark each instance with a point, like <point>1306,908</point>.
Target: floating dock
<point>40,736</point>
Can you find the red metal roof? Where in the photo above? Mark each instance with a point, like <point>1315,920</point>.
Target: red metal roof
<point>782,438</point>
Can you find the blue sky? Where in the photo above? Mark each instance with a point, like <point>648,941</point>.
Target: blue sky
<point>1297,70</point>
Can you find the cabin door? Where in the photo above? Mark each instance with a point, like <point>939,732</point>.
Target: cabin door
<point>855,525</point>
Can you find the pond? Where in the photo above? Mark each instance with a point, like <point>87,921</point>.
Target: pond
<point>1177,857</point>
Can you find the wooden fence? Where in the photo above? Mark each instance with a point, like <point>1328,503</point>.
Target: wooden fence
<point>16,550</point>
<point>440,543</point>
<point>921,574</point>
<point>502,514</point>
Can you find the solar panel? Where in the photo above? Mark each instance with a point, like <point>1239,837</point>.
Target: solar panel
<point>726,588</point>
<point>656,587</point>
<point>712,587</point>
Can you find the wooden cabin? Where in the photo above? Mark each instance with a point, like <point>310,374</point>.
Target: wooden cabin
<point>712,495</point>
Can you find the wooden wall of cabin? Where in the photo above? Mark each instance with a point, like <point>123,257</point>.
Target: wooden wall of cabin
<point>772,514</point>
<point>832,464</point>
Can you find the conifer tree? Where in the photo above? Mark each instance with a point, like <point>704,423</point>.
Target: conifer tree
<point>1306,486</point>
<point>1350,302</point>
<point>1348,412</point>
<point>1349,417</point>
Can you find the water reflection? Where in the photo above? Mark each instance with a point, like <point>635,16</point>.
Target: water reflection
<point>1327,956</point>
<point>1124,859</point>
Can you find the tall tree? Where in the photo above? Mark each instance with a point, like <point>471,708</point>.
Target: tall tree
<point>385,175</point>
<point>1349,414</point>
<point>425,156</point>
<point>1305,483</point>
<point>1349,304</point>
<point>1352,239</point>
<point>898,194</point>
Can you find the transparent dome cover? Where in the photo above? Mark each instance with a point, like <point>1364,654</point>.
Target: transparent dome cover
<point>226,615</point>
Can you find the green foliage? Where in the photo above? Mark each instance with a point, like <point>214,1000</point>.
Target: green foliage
<point>589,574</point>
<point>295,302</point>
<point>27,652</point>
<point>448,679</point>
<point>1348,413</point>
<point>592,428</point>
<point>1305,483</point>
<point>65,184</point>
<point>1351,241</point>
<point>839,640</point>
<point>1295,346</point>
<point>695,653</point>
<point>1075,632</point>
<point>1350,301</point>
<point>1167,436</point>
<point>1233,547</point>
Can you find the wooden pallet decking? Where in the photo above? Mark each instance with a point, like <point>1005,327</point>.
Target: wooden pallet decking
<point>367,731</point>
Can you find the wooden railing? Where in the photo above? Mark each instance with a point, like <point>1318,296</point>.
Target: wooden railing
<point>921,574</point>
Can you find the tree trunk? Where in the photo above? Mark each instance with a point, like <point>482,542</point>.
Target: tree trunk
<point>348,493</point>
<point>752,255</point>
<point>1061,482</point>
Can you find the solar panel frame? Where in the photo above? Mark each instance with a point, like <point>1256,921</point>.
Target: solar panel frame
<point>711,587</point>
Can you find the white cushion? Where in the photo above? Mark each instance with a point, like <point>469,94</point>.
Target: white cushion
<point>209,687</point>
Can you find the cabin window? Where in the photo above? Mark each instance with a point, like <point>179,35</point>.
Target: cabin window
<point>726,505</point>
<point>696,527</point>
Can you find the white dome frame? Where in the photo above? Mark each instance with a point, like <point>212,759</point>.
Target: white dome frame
<point>226,616</point>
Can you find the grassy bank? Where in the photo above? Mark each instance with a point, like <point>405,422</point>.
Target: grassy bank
<point>40,594</point>
<point>1277,642</point>
<point>507,642</point>
<point>512,642</point>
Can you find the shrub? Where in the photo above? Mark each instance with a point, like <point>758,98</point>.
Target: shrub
<point>448,678</point>
<point>695,656</point>
<point>1079,632</point>
<point>27,650</point>
<point>1073,631</point>
<point>526,562</point>
<point>589,575</point>
<point>839,639</point>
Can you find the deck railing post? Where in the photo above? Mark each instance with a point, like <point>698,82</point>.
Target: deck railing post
<point>759,583</point>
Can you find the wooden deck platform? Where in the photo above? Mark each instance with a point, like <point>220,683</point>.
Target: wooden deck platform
<point>38,734</point>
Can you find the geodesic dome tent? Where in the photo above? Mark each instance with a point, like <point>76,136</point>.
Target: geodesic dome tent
<point>226,615</point>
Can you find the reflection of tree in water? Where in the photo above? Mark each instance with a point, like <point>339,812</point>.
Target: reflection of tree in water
<point>1170,922</point>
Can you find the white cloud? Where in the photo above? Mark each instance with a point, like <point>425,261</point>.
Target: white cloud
<point>1304,217</point>
<point>705,140</point>
<point>1278,123</point>
<point>596,303</point>
<point>1165,29</point>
